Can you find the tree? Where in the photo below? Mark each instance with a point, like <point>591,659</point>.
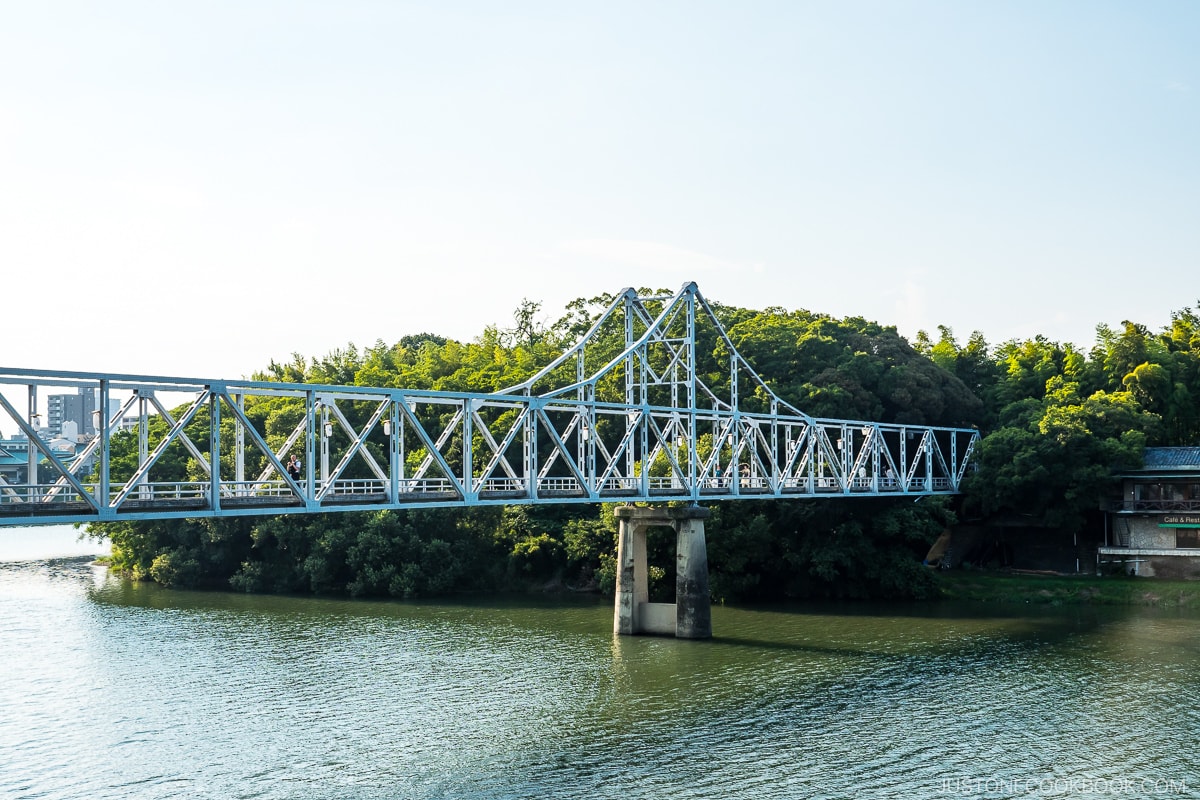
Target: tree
<point>1054,459</point>
<point>527,329</point>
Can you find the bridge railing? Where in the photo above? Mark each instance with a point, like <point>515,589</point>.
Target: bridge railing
<point>43,499</point>
<point>52,494</point>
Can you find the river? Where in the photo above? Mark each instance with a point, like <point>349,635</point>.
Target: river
<point>110,689</point>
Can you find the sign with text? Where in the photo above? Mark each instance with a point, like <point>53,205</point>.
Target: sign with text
<point>1180,521</point>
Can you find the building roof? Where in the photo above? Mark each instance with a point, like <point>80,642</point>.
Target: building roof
<point>1167,462</point>
<point>7,459</point>
<point>1172,458</point>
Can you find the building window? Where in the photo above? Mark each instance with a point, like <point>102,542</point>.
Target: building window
<point>1167,496</point>
<point>1187,537</point>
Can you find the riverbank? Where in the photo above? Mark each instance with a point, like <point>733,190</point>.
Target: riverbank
<point>1007,587</point>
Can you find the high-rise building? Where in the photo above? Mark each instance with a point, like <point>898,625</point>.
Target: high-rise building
<point>77,408</point>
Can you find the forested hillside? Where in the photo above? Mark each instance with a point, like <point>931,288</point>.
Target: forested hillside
<point>1056,423</point>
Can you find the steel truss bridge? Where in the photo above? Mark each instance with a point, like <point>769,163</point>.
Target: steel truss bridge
<point>635,411</point>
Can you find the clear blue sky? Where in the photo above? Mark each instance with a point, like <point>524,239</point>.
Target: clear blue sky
<point>197,188</point>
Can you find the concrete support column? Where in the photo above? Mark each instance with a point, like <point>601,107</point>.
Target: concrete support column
<point>690,615</point>
<point>693,614</point>
<point>633,579</point>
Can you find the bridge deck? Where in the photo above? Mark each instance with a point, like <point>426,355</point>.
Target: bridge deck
<point>42,504</point>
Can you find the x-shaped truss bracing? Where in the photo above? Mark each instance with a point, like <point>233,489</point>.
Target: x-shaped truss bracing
<point>634,411</point>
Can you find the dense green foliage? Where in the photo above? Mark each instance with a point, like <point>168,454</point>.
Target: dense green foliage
<point>1057,422</point>
<point>1060,422</point>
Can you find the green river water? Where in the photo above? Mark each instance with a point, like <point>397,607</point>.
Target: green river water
<point>110,689</point>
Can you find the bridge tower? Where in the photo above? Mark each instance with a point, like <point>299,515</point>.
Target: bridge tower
<point>689,617</point>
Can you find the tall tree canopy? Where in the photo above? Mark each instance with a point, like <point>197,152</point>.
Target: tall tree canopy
<point>1056,422</point>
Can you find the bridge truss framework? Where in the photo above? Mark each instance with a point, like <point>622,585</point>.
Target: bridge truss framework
<point>601,423</point>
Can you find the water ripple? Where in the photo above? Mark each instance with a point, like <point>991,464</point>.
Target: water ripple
<point>120,690</point>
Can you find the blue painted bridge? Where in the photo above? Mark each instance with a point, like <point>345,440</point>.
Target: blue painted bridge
<point>630,413</point>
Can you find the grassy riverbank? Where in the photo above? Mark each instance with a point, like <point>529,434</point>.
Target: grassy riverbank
<point>998,587</point>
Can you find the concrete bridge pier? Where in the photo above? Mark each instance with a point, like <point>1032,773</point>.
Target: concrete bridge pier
<point>690,616</point>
